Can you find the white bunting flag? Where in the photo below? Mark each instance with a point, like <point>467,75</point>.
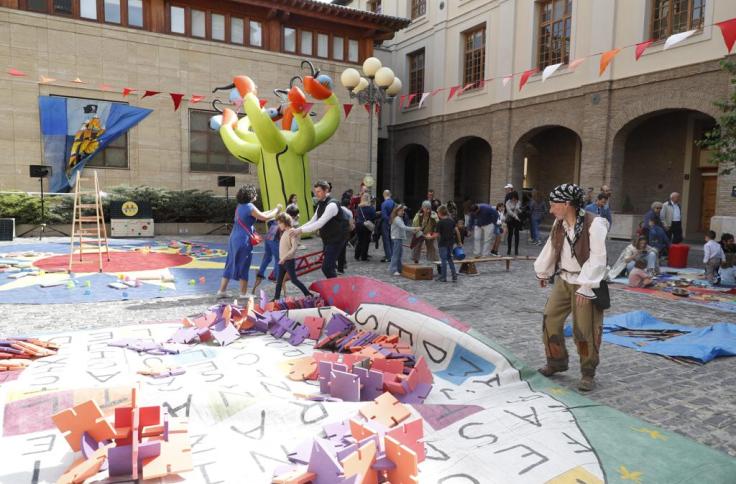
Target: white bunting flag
<point>677,38</point>
<point>549,70</point>
<point>506,80</point>
<point>425,95</point>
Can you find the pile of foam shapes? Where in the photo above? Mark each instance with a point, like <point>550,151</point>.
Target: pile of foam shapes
<point>16,353</point>
<point>362,364</point>
<point>142,443</point>
<point>380,444</point>
<point>195,249</point>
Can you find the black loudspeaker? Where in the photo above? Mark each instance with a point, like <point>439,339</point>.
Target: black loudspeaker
<point>225,181</point>
<point>7,229</point>
<point>39,171</point>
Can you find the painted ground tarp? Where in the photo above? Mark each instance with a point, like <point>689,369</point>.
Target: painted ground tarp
<point>488,419</point>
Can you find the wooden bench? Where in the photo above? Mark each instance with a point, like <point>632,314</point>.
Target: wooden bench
<point>467,266</point>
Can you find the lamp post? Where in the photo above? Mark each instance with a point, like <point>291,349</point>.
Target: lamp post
<point>379,86</point>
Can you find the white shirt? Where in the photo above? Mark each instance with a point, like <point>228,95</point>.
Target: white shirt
<point>676,217</point>
<point>315,224</point>
<point>593,271</point>
<point>712,249</point>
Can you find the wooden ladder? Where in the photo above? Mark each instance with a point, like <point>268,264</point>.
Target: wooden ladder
<point>85,224</point>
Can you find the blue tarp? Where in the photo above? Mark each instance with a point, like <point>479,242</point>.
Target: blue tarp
<point>702,344</point>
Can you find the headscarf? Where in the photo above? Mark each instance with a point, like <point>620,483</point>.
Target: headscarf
<point>569,192</point>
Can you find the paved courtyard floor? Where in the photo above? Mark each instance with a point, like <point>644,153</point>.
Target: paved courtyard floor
<point>699,402</point>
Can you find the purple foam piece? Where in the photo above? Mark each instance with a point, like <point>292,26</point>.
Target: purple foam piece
<point>420,393</point>
<point>184,335</point>
<point>371,381</point>
<point>120,459</point>
<point>302,453</point>
<point>226,335</point>
<point>343,453</point>
<point>142,346</point>
<point>337,324</point>
<point>383,463</point>
<point>264,300</point>
<point>337,431</point>
<point>323,463</point>
<point>298,335</point>
<point>324,368</point>
<point>122,343</point>
<point>279,329</point>
<point>345,386</point>
<point>351,334</point>
<point>89,445</point>
<point>261,323</point>
<point>146,450</point>
<point>201,331</point>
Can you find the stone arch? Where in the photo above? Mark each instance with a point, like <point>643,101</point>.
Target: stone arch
<point>468,167</point>
<point>412,175</point>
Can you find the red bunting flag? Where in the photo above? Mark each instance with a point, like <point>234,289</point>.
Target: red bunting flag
<point>728,30</point>
<point>525,77</point>
<point>411,98</point>
<point>176,99</point>
<point>453,90</point>
<point>606,59</point>
<point>195,99</point>
<point>16,73</point>
<point>105,87</point>
<point>641,47</point>
<point>402,98</point>
<point>378,109</point>
<point>127,90</point>
<point>367,108</point>
<point>262,102</point>
<point>150,93</point>
<point>347,108</point>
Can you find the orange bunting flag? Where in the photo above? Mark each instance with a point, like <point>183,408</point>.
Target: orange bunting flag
<point>46,80</point>
<point>79,81</point>
<point>606,59</point>
<point>195,99</point>
<point>641,47</point>
<point>105,87</point>
<point>16,73</point>
<point>347,108</point>
<point>127,90</point>
<point>728,30</point>
<point>525,77</point>
<point>262,102</point>
<point>453,91</point>
<point>150,93</point>
<point>176,99</point>
<point>402,98</point>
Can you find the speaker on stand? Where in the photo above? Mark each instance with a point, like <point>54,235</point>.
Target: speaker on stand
<point>41,172</point>
<point>227,182</point>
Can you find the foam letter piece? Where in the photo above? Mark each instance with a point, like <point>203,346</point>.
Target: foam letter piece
<point>298,335</point>
<point>385,410</point>
<point>301,369</point>
<point>315,325</point>
<point>371,383</point>
<point>345,386</point>
<point>338,324</point>
<point>406,463</point>
<point>359,463</point>
<point>226,335</point>
<point>409,435</point>
<point>85,417</point>
<point>324,464</point>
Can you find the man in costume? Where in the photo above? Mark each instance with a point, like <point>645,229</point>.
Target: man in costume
<point>576,252</point>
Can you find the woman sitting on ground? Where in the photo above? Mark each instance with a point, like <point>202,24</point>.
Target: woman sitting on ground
<point>638,248</point>
<point>652,214</point>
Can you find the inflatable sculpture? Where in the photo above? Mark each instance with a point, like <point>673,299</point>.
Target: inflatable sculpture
<point>281,155</point>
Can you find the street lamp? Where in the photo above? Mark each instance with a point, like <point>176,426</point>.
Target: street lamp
<point>380,87</point>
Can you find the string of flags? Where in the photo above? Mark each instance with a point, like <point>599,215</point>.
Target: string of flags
<point>727,28</point>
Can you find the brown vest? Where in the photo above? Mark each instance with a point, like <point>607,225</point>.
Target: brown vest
<point>582,246</point>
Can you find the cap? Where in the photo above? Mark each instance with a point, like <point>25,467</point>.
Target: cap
<point>509,185</point>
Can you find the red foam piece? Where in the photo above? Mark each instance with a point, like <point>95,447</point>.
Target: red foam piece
<point>390,366</point>
<point>315,325</point>
<point>410,434</point>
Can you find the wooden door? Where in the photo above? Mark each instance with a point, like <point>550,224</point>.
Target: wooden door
<point>708,201</point>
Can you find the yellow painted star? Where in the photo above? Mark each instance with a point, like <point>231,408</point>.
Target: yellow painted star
<point>655,434</point>
<point>627,475</point>
<point>557,391</point>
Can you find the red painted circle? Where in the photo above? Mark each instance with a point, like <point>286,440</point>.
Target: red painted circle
<point>119,262</point>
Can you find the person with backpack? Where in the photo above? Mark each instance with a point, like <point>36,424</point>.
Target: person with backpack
<point>333,225</point>
<point>365,214</point>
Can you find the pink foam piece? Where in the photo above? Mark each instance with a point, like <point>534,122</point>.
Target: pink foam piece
<point>410,434</point>
<point>315,325</point>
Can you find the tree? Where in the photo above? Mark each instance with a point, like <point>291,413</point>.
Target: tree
<point>721,140</point>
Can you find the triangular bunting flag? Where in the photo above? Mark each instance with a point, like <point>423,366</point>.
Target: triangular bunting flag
<point>347,108</point>
<point>237,104</point>
<point>677,38</point>
<point>549,70</point>
<point>402,98</point>
<point>150,93</point>
<point>176,99</point>
<point>574,64</point>
<point>378,109</point>
<point>424,97</point>
<point>505,81</point>
<point>411,98</point>
<point>79,81</point>
<point>16,73</point>
<point>453,90</point>
<point>641,47</point>
<point>467,86</point>
<point>525,77</point>
<point>127,90</point>
<point>436,91</point>
<point>195,99</point>
<point>105,87</point>
<point>606,59</point>
<point>367,108</point>
<point>728,29</point>
<point>262,102</point>
<point>46,80</point>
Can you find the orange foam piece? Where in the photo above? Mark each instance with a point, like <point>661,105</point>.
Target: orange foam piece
<point>410,435</point>
<point>227,313</point>
<point>385,410</point>
<point>304,368</point>
<point>359,463</point>
<point>82,469</point>
<point>295,477</point>
<point>406,470</point>
<point>175,457</point>
<point>359,431</point>
<point>85,417</point>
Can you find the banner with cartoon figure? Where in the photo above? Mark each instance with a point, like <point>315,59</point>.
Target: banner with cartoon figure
<point>74,130</point>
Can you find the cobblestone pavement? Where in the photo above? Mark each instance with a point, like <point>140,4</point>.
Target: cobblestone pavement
<point>699,402</point>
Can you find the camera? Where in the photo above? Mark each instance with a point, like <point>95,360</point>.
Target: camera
<point>90,109</point>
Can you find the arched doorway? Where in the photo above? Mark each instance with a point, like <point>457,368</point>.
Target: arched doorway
<point>469,159</point>
<point>546,157</point>
<point>657,154</point>
<point>414,159</point>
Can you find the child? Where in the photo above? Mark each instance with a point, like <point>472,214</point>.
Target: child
<point>271,251</point>
<point>448,236</point>
<point>287,250</point>
<point>462,230</point>
<point>638,277</point>
<point>500,227</point>
<point>398,235</point>
<point>713,255</point>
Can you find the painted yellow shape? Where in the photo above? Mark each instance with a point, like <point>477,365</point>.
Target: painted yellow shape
<point>558,391</point>
<point>627,475</point>
<point>654,434</point>
<point>576,475</point>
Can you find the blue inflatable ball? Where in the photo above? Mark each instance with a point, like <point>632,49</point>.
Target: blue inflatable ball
<point>458,253</point>
<point>273,113</point>
<point>325,81</point>
<point>235,96</point>
<point>216,122</point>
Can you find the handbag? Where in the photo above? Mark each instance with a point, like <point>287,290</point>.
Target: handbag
<point>416,240</point>
<point>254,237</point>
<point>367,223</point>
<point>602,297</point>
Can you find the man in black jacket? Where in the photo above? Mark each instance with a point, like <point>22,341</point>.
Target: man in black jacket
<point>333,225</point>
